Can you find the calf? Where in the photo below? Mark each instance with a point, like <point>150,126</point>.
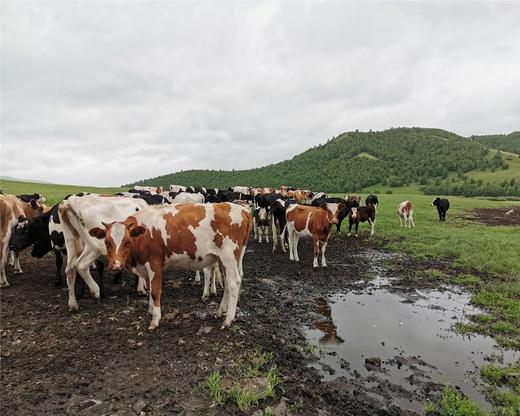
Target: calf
<point>405,212</point>
<point>11,209</point>
<point>372,200</point>
<point>443,205</point>
<point>311,221</point>
<point>181,236</point>
<point>362,214</point>
<point>261,223</point>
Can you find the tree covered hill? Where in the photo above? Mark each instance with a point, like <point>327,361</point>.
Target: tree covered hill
<point>505,142</point>
<point>355,160</point>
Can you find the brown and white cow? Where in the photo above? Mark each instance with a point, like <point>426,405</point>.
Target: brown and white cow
<point>311,221</point>
<point>405,212</point>
<point>181,236</point>
<point>11,209</point>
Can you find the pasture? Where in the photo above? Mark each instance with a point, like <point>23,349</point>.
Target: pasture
<point>339,340</point>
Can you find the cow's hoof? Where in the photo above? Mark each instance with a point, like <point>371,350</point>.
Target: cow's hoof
<point>348,235</point>
<point>324,266</point>
<point>226,324</point>
<point>18,271</point>
<point>142,293</point>
<point>152,327</point>
<point>357,236</point>
<point>5,284</point>
<point>73,308</point>
<point>205,298</point>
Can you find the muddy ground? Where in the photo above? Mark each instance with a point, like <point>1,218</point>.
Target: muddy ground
<point>103,359</point>
<point>496,216</point>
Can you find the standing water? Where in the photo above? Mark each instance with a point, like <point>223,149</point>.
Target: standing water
<point>410,333</point>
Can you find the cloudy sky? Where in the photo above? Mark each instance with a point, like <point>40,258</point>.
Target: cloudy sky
<point>104,93</point>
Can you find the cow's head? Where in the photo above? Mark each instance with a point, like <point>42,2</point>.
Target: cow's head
<point>262,214</point>
<point>31,231</point>
<point>435,201</point>
<point>353,213</point>
<point>333,211</point>
<point>118,238</point>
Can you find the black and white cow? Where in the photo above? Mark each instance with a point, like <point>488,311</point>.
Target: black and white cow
<point>372,200</point>
<point>443,205</point>
<point>28,198</point>
<point>261,223</point>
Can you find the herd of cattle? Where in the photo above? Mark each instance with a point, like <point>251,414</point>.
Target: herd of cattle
<point>147,229</point>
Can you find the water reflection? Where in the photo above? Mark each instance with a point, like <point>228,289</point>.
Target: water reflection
<point>330,335</point>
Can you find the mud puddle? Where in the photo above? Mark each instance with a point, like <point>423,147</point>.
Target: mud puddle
<point>400,346</point>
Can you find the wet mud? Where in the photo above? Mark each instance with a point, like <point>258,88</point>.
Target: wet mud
<point>102,359</point>
<point>496,216</point>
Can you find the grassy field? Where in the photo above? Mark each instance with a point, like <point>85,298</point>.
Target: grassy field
<point>53,193</point>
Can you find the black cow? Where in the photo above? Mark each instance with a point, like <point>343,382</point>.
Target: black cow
<point>362,214</point>
<point>34,197</point>
<point>228,196</point>
<point>153,199</point>
<point>372,200</point>
<point>443,205</point>
<point>278,206</point>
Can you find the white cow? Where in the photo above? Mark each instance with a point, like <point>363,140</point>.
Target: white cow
<point>188,198</point>
<point>177,188</point>
<point>242,189</point>
<point>77,216</point>
<point>151,189</point>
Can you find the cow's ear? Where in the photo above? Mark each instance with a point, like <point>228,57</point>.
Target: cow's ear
<point>21,218</point>
<point>323,204</point>
<point>97,233</point>
<point>107,225</point>
<point>341,207</point>
<point>137,231</point>
<point>33,203</point>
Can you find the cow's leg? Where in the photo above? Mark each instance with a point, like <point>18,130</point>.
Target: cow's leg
<point>401,220</point>
<point>155,292</point>
<point>411,220</point>
<point>83,266</point>
<point>207,278</point>
<point>266,233</point>
<point>323,249</point>
<point>197,277</point>
<point>291,242</point>
<point>350,223</point>
<point>11,258</point>
<point>357,227</point>
<point>316,251</point>
<point>70,272</point>
<point>59,263</point>
<point>141,291</point>
<point>232,278</point>
<point>3,261</point>
<point>275,235</point>
<point>225,298</point>
<point>341,217</point>
<point>16,263</point>
<point>295,247</point>
<point>117,277</point>
<point>255,229</point>
<point>240,261</point>
<point>372,224</point>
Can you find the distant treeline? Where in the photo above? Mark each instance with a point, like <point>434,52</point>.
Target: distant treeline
<point>472,187</point>
<point>506,142</point>
<point>356,160</point>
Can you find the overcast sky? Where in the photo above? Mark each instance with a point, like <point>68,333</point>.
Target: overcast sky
<point>105,93</point>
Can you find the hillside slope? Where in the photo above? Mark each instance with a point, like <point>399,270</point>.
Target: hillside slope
<point>356,160</point>
<point>505,142</point>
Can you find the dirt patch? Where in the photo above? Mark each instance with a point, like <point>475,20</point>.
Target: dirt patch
<point>496,216</point>
<point>103,359</point>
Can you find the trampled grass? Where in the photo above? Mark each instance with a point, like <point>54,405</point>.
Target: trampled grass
<point>53,193</point>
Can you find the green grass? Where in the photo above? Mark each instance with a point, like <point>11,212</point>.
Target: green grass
<point>52,192</point>
<point>250,378</point>
<point>453,403</point>
<point>500,175</point>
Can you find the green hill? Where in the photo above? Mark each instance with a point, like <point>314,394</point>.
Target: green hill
<point>506,142</point>
<point>356,160</point>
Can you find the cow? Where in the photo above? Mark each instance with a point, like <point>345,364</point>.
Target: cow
<point>405,212</point>
<point>28,197</point>
<point>177,188</point>
<point>261,223</point>
<point>150,189</point>
<point>318,195</point>
<point>80,214</point>
<point>188,198</point>
<point>11,209</point>
<point>241,189</point>
<point>372,200</point>
<point>153,199</point>
<point>443,205</point>
<point>180,236</point>
<point>311,221</point>
<point>230,196</point>
<point>348,203</point>
<point>362,214</point>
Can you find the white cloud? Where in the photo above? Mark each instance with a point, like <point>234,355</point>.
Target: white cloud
<point>106,93</point>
